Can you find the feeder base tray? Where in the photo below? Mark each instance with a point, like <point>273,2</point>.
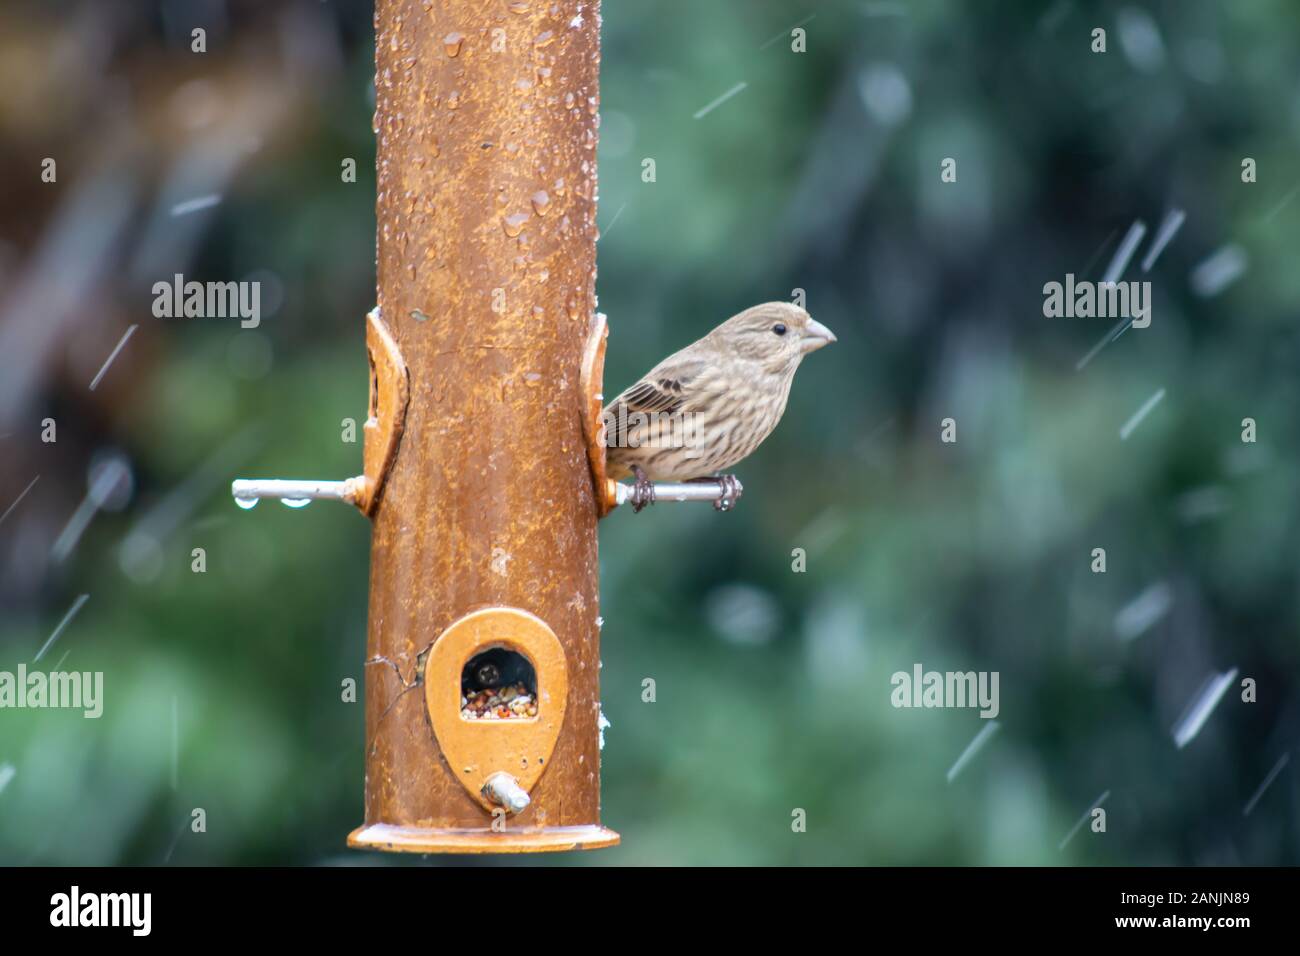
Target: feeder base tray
<point>396,839</point>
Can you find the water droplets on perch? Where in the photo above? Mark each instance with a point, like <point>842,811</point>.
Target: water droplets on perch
<point>293,493</point>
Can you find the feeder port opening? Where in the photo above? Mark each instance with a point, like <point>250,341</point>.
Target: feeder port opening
<point>498,683</point>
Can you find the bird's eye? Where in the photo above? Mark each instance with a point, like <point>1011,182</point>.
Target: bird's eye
<point>779,329</point>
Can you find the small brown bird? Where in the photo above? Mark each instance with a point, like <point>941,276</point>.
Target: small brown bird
<point>707,407</point>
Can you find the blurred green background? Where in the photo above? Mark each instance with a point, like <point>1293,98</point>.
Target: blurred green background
<point>223,689</point>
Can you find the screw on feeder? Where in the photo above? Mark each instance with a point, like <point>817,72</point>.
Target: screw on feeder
<point>503,790</point>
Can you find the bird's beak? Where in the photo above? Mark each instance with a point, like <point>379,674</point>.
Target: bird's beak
<point>815,335</point>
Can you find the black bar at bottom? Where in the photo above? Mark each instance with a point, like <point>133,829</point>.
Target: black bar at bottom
<point>460,907</point>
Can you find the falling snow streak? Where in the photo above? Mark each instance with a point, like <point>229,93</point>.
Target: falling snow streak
<point>1204,503</point>
<point>19,498</point>
<point>1140,414</point>
<point>1283,204</point>
<point>176,742</point>
<point>1115,332</point>
<point>1272,775</point>
<point>1132,239</point>
<point>7,773</point>
<point>1137,616</point>
<point>1118,263</point>
<point>786,31</point>
<point>129,333</point>
<point>1092,259</point>
<point>73,256</point>
<point>67,619</point>
<point>1083,819</point>
<point>1198,712</point>
<point>1219,270</point>
<point>720,100</point>
<point>604,232</point>
<point>100,490</point>
<point>1140,39</point>
<point>195,204</point>
<point>180,832</point>
<point>1173,221</point>
<point>823,530</point>
<point>974,747</point>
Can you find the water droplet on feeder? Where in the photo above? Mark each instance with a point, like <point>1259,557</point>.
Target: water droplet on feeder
<point>568,101</point>
<point>453,99</point>
<point>514,225</point>
<point>247,503</point>
<point>544,39</point>
<point>541,202</point>
<point>295,502</point>
<point>520,6</point>
<point>452,43</point>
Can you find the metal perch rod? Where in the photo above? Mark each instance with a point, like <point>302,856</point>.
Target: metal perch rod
<point>684,491</point>
<point>302,489</point>
<point>295,489</point>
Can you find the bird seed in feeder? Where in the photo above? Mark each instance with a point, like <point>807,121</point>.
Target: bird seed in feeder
<point>512,702</point>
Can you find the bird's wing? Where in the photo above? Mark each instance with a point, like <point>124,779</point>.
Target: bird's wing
<point>665,389</point>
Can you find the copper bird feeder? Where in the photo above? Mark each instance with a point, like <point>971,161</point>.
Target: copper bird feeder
<point>484,457</point>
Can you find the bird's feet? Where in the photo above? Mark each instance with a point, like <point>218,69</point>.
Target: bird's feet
<point>729,492</point>
<point>643,490</point>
